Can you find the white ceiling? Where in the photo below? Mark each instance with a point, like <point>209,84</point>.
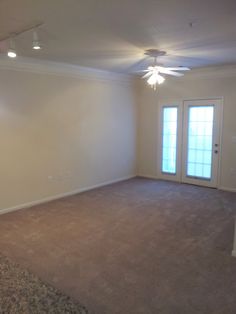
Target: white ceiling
<point>113,34</point>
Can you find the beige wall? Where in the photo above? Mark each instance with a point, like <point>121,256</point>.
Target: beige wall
<point>59,134</point>
<point>205,86</point>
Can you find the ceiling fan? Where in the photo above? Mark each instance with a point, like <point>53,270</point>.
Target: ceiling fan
<point>154,72</point>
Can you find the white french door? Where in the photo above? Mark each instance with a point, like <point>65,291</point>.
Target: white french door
<point>170,141</point>
<point>201,141</point>
<point>189,142</point>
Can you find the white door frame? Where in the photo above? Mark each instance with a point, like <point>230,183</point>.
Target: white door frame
<point>180,166</point>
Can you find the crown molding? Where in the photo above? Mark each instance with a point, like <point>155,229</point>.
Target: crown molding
<point>221,71</point>
<point>60,69</point>
<point>75,71</point>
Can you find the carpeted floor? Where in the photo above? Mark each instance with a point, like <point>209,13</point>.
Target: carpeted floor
<point>139,246</point>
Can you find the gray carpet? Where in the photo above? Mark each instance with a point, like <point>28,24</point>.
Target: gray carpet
<point>139,246</point>
<point>23,293</point>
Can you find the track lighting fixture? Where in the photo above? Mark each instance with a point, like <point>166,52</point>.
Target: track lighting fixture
<point>36,42</point>
<point>36,45</point>
<point>11,51</point>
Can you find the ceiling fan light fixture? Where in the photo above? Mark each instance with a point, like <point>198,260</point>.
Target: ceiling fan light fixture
<point>153,72</point>
<point>155,79</point>
<point>152,79</point>
<point>160,79</point>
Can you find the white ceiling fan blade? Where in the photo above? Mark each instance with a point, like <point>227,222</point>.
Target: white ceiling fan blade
<point>178,69</point>
<point>147,74</point>
<point>169,72</point>
<point>141,71</point>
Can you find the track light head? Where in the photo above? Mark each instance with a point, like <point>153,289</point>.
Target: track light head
<point>11,51</point>
<point>36,46</point>
<point>36,43</point>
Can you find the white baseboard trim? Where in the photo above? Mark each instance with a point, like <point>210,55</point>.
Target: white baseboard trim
<point>147,176</point>
<point>59,196</point>
<point>223,188</point>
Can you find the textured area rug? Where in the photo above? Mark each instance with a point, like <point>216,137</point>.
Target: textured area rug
<point>23,293</point>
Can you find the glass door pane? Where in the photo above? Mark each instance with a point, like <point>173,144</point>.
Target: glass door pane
<point>169,139</point>
<point>200,141</point>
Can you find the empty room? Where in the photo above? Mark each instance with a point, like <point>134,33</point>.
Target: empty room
<point>118,157</point>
